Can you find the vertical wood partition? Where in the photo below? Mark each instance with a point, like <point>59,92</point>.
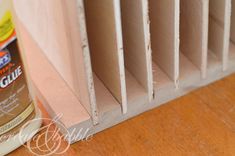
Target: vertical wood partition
<point>103,20</point>
<point>136,38</point>
<point>233,22</point>
<point>219,29</point>
<point>194,32</point>
<point>52,27</point>
<point>164,28</point>
<point>232,34</point>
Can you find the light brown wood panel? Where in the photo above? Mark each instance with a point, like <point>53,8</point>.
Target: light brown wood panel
<point>219,29</point>
<point>45,21</point>
<point>194,32</point>
<point>105,41</point>
<point>57,34</point>
<point>137,46</point>
<point>233,22</point>
<point>200,123</point>
<point>63,96</point>
<point>164,28</point>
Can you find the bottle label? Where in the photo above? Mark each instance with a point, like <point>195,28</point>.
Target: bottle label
<point>16,104</point>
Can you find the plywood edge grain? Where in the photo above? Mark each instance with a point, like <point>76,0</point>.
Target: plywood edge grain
<point>205,30</point>
<point>148,48</point>
<point>177,43</point>
<point>74,13</point>
<point>117,16</point>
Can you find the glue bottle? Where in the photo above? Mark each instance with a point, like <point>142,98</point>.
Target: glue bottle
<point>17,107</point>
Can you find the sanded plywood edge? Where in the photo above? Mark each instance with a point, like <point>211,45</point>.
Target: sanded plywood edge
<point>228,12</point>
<point>148,49</point>
<point>137,48</point>
<point>205,31</point>
<point>75,22</point>
<point>164,28</point>
<point>233,22</point>
<point>104,28</point>
<point>219,29</point>
<point>49,87</point>
<point>193,32</point>
<point>117,11</point>
<point>177,42</point>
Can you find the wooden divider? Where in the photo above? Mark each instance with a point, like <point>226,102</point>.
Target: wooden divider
<point>233,22</point>
<point>194,32</point>
<point>52,27</point>
<point>137,46</point>
<point>164,28</point>
<point>219,29</point>
<point>103,20</point>
<point>49,87</point>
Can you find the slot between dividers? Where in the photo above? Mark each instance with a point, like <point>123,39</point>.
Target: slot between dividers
<point>137,49</point>
<point>164,29</point>
<point>219,33</point>
<point>193,37</point>
<point>104,35</point>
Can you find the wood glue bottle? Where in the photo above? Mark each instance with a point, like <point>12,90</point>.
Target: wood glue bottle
<point>19,116</point>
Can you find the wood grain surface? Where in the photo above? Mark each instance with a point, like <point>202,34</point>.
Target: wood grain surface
<point>201,123</point>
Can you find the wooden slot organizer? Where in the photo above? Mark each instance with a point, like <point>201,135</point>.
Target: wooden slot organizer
<point>99,63</point>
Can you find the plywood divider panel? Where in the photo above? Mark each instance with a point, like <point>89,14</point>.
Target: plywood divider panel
<point>194,32</point>
<point>48,85</point>
<point>164,28</point>
<point>219,29</point>
<point>233,22</point>
<point>103,19</point>
<point>44,20</point>
<point>137,46</point>
<point>52,28</point>
<point>80,52</point>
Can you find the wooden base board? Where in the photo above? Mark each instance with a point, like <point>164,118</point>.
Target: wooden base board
<point>110,110</point>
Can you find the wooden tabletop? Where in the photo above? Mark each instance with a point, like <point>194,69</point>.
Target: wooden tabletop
<point>201,123</point>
